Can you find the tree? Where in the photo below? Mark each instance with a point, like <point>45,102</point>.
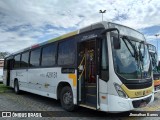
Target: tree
<point>3,54</point>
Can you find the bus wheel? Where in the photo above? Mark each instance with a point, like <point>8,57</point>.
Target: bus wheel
<point>66,98</point>
<point>16,87</point>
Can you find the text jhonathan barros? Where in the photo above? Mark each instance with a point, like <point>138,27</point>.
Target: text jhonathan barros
<point>144,114</point>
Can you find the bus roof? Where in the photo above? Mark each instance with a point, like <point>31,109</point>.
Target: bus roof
<point>84,29</point>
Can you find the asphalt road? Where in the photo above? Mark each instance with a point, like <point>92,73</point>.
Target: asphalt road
<point>9,101</point>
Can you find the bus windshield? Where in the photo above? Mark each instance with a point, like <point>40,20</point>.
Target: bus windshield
<point>154,58</point>
<point>132,60</point>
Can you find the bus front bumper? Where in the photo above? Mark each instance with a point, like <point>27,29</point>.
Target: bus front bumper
<point>119,104</point>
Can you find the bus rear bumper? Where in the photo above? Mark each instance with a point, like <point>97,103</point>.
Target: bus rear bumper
<point>118,104</point>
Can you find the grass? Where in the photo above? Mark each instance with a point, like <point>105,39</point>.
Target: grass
<point>3,88</point>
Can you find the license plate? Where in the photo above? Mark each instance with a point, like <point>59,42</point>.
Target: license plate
<point>143,104</point>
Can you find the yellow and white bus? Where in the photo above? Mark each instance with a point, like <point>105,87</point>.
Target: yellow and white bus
<point>104,66</point>
<point>156,72</point>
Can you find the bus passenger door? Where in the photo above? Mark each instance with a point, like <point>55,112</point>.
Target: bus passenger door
<point>6,74</point>
<point>87,73</point>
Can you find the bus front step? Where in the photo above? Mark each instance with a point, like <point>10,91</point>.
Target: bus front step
<point>90,88</point>
<point>91,98</point>
<point>87,106</point>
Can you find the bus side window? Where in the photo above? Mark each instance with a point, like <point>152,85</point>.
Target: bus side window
<point>24,59</point>
<point>66,52</point>
<point>35,57</point>
<point>49,55</point>
<point>16,61</point>
<point>104,72</point>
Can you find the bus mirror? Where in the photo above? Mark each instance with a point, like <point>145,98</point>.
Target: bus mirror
<point>110,30</point>
<point>116,43</point>
<point>116,40</point>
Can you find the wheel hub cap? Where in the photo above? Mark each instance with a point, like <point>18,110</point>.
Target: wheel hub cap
<point>67,98</point>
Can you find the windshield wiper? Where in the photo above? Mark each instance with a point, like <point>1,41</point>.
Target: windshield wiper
<point>141,57</point>
<point>135,55</point>
<point>154,61</point>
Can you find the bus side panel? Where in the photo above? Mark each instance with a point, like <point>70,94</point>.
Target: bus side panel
<point>103,95</point>
<point>44,81</point>
<point>12,77</point>
<point>21,76</point>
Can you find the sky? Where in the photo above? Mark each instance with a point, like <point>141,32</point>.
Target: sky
<point>27,22</point>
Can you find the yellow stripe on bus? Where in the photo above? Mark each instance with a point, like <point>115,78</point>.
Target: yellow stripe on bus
<point>74,79</point>
<point>63,36</point>
<point>135,93</point>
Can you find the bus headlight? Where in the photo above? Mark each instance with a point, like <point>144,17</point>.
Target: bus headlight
<point>119,90</point>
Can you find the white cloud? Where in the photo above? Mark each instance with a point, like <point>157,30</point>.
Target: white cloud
<point>65,15</point>
<point>10,41</point>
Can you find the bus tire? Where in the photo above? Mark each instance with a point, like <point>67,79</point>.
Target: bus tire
<point>66,98</point>
<point>16,87</point>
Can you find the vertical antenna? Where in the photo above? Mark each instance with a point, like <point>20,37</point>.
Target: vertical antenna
<point>100,11</point>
